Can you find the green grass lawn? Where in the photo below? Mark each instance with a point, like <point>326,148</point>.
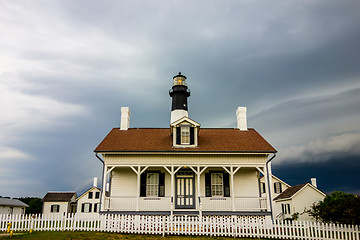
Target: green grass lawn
<point>105,235</point>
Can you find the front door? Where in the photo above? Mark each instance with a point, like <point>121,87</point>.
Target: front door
<point>184,188</point>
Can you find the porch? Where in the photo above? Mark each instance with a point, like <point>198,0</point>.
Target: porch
<point>208,190</point>
<point>205,204</point>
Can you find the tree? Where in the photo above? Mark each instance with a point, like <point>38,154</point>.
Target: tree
<point>35,204</point>
<point>339,207</point>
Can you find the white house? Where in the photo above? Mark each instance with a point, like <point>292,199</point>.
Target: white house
<point>89,202</point>
<point>12,206</point>
<point>185,169</point>
<point>297,199</point>
<point>59,203</point>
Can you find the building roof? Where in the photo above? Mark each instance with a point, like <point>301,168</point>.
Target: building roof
<point>12,202</point>
<point>160,140</point>
<point>59,196</point>
<point>290,192</point>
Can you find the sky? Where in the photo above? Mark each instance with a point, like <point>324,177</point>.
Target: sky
<point>67,67</point>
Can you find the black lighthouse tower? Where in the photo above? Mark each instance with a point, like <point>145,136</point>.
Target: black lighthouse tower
<point>179,94</point>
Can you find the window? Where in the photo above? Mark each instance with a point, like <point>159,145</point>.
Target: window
<point>96,208</point>
<point>277,187</point>
<point>55,208</point>
<point>90,196</point>
<point>97,195</point>
<point>152,184</point>
<point>217,184</point>
<point>285,207</point>
<point>185,135</point>
<point>86,207</point>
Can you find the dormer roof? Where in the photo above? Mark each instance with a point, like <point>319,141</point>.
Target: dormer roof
<point>185,119</point>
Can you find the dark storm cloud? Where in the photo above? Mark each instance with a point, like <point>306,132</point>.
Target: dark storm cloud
<point>344,168</point>
<point>68,67</point>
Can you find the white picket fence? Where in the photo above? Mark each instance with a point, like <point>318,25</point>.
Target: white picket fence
<point>233,226</point>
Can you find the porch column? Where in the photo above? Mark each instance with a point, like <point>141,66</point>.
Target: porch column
<point>232,188</point>
<point>232,173</point>
<point>138,189</point>
<point>172,175</point>
<point>271,186</point>
<point>138,172</point>
<point>102,207</point>
<point>198,190</point>
<point>198,172</point>
<point>172,189</point>
<point>267,189</point>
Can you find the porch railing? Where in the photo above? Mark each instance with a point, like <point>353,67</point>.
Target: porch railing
<point>240,203</point>
<point>145,203</point>
<point>164,203</point>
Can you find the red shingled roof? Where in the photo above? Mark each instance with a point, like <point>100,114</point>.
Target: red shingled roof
<point>289,192</point>
<point>159,139</point>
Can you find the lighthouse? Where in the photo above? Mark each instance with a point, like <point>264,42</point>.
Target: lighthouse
<point>179,94</point>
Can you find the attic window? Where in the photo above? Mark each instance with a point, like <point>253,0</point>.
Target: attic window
<point>185,135</point>
<point>277,187</point>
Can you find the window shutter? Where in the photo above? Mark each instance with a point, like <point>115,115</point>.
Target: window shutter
<point>192,136</point>
<point>178,135</point>
<point>90,207</point>
<point>226,184</point>
<point>208,184</point>
<point>95,207</point>
<point>161,184</point>
<point>263,189</point>
<point>143,185</point>
<point>82,207</point>
<point>280,188</point>
<point>52,208</point>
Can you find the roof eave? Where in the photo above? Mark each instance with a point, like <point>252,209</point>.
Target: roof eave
<point>163,151</point>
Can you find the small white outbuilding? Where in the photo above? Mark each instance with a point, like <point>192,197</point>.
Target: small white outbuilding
<point>298,199</point>
<point>59,203</point>
<point>12,206</point>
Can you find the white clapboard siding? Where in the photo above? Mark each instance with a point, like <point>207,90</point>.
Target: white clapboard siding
<point>234,226</point>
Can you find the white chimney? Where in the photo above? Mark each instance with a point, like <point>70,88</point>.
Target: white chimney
<point>313,182</point>
<point>95,182</point>
<point>125,118</point>
<point>241,118</point>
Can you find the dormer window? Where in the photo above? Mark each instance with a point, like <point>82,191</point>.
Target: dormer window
<point>185,133</point>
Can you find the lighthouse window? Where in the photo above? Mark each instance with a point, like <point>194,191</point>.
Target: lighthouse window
<point>185,135</point>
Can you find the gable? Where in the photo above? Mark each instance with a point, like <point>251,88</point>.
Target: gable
<point>185,120</point>
<point>309,192</point>
<point>90,189</point>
